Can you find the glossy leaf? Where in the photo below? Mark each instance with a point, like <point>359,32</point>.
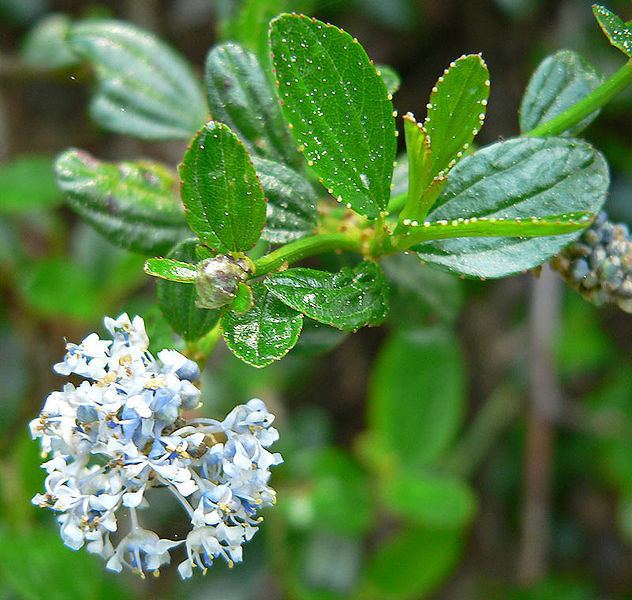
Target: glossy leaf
<point>618,32</point>
<point>145,88</point>
<point>46,45</point>
<point>416,395</point>
<point>520,178</point>
<point>177,300</point>
<point>347,300</point>
<point>339,109</point>
<point>171,270</point>
<point>265,333</point>
<point>456,111</point>
<point>134,205</point>
<point>413,563</point>
<point>429,500</point>
<point>391,78</point>
<point>27,184</point>
<point>559,82</point>
<point>241,96</point>
<point>225,203</point>
<point>291,209</point>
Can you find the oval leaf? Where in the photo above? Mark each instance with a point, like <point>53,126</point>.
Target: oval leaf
<point>265,333</point>
<point>559,82</point>
<point>291,208</point>
<point>224,200</point>
<point>347,300</point>
<point>413,563</point>
<point>339,109</point>
<point>456,111</point>
<point>134,205</point>
<point>618,33</point>
<point>416,395</point>
<point>177,300</point>
<point>240,95</point>
<point>145,89</point>
<point>520,178</point>
<point>430,500</point>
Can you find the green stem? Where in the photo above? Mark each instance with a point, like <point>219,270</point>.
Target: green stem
<point>594,101</point>
<point>316,244</point>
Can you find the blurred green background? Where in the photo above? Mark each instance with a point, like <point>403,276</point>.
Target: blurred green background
<point>478,446</point>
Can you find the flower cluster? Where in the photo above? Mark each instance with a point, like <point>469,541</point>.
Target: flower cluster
<point>599,264</point>
<point>121,433</point>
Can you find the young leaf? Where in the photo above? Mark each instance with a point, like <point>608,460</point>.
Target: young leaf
<point>456,111</point>
<point>134,205</point>
<point>177,300</point>
<point>171,270</point>
<point>225,203</point>
<point>339,109</point>
<point>28,184</point>
<point>391,78</point>
<point>429,500</point>
<point>265,333</point>
<point>291,208</point>
<point>560,81</point>
<point>618,32</point>
<point>145,89</point>
<point>413,563</point>
<point>416,395</point>
<point>347,300</point>
<point>240,95</point>
<point>519,178</point>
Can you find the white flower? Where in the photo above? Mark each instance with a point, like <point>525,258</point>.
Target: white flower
<point>120,433</point>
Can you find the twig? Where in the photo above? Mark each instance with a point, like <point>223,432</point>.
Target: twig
<point>545,402</point>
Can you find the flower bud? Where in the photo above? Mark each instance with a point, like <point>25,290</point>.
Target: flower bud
<point>599,264</point>
<point>218,279</point>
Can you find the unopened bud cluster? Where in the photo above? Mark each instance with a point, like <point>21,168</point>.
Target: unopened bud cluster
<point>599,263</point>
<point>120,437</point>
<point>218,279</point>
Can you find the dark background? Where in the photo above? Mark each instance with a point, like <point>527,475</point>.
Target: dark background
<point>552,463</point>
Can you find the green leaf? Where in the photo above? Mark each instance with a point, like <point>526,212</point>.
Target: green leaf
<point>418,290</point>
<point>429,500</point>
<point>46,45</point>
<point>145,89</point>
<point>391,78</point>
<point>618,32</point>
<point>291,208</point>
<point>559,82</point>
<point>339,109</point>
<point>27,184</point>
<point>340,496</point>
<point>58,288</point>
<point>240,95</point>
<point>134,205</point>
<point>225,203</point>
<point>267,332</point>
<point>347,300</point>
<point>416,395</point>
<point>413,563</point>
<point>519,178</point>
<point>177,300</point>
<point>171,270</point>
<point>244,300</point>
<point>456,111</point>
<point>492,227</point>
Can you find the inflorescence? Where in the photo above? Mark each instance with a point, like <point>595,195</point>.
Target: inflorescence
<point>599,264</point>
<point>121,433</point>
